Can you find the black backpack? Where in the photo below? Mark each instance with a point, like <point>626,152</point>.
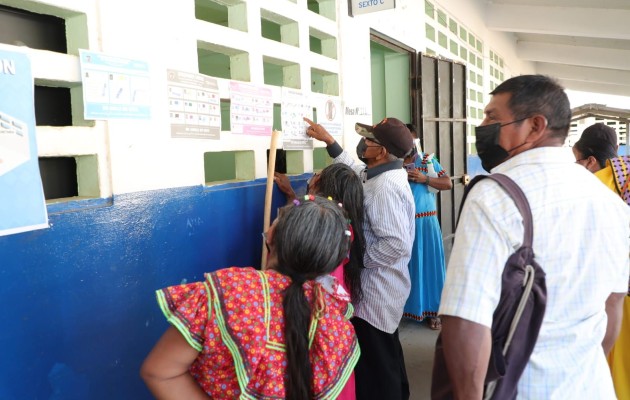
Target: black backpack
<point>516,320</point>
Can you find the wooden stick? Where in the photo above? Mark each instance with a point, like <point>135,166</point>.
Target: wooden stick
<point>271,167</point>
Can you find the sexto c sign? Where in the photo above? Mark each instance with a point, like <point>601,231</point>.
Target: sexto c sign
<point>368,6</point>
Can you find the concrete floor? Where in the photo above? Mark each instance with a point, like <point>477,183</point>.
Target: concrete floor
<point>418,343</point>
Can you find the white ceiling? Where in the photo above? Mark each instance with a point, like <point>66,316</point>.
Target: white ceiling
<point>585,44</point>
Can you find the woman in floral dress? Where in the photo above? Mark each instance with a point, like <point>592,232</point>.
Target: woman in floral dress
<point>229,337</point>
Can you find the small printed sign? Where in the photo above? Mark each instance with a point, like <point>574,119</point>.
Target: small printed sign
<point>369,6</point>
<point>295,106</point>
<point>114,87</point>
<point>194,105</point>
<point>251,109</point>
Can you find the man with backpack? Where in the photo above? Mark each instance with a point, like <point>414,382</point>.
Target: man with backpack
<point>581,236</point>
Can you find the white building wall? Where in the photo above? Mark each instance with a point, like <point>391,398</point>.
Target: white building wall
<point>142,155</point>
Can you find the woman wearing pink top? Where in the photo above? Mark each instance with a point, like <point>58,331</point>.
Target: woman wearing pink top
<point>342,184</point>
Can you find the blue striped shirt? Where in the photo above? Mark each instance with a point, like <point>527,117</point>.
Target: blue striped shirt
<point>389,232</point>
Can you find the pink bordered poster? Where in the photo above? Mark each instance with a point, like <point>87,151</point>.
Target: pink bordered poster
<point>251,109</point>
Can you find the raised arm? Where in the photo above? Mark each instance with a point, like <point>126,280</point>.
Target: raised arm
<point>316,131</point>
<point>284,185</point>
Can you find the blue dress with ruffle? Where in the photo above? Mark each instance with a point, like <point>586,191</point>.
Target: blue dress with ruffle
<point>426,267</point>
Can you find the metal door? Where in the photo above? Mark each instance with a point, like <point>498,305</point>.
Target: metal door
<point>441,111</point>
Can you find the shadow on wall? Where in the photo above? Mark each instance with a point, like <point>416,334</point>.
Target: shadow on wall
<point>79,306</point>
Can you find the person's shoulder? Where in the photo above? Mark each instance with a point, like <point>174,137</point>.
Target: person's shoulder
<point>396,180</point>
<point>233,272</point>
<point>389,178</point>
<point>489,196</point>
<point>484,187</point>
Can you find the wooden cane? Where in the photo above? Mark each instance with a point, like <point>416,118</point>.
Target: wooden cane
<point>271,167</point>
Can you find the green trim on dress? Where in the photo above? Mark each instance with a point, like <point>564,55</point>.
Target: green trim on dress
<point>176,322</point>
<point>239,368</point>
<point>349,311</point>
<point>334,392</point>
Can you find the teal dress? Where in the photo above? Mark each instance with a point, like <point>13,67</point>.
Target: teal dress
<point>426,267</point>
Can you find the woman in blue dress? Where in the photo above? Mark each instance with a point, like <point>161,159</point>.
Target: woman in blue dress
<point>426,267</point>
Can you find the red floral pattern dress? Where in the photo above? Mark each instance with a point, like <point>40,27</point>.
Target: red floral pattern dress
<point>235,320</point>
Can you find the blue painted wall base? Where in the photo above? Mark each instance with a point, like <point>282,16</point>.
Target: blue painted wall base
<point>79,312</point>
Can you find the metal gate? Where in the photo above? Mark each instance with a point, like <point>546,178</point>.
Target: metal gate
<point>440,88</point>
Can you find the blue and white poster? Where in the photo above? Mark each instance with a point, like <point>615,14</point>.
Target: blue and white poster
<point>114,87</point>
<point>22,203</point>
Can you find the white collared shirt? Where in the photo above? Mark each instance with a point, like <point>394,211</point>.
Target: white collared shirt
<point>581,240</point>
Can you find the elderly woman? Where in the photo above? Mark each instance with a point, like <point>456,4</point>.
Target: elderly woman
<point>279,333</point>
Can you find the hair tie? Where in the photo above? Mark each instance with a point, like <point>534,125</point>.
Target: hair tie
<point>347,232</point>
<point>340,205</point>
<point>329,198</point>
<point>297,279</point>
<point>320,303</point>
<point>296,202</point>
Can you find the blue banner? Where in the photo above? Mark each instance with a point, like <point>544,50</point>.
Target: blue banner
<point>22,203</point>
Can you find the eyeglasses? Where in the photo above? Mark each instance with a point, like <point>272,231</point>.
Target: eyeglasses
<point>373,141</point>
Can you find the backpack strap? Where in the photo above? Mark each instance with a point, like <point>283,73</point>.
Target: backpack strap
<point>515,192</point>
<point>507,316</point>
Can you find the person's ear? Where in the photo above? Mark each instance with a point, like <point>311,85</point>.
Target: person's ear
<point>592,164</point>
<point>382,153</point>
<point>538,125</point>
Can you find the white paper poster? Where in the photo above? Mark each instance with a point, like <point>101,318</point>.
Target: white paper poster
<point>114,87</point>
<point>194,105</point>
<point>295,106</point>
<point>329,113</point>
<point>251,109</point>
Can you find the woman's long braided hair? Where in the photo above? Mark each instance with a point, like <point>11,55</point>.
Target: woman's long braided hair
<point>310,240</point>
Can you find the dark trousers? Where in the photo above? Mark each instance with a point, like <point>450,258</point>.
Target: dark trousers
<point>380,373</point>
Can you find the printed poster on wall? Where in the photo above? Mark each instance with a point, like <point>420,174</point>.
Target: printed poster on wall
<point>194,105</point>
<point>22,202</point>
<point>251,109</point>
<point>295,106</point>
<point>329,113</point>
<point>114,87</point>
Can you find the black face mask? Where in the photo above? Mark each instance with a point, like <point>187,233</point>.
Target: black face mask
<point>361,147</point>
<point>487,143</point>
